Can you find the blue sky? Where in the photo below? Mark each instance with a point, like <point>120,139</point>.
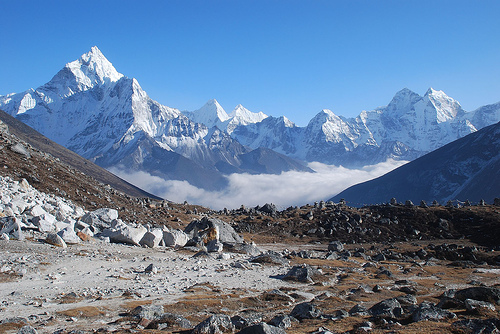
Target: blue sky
<point>290,57</point>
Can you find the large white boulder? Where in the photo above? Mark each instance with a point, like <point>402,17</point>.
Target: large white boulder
<point>175,238</point>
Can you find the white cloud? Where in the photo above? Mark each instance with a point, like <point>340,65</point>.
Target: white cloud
<point>286,189</point>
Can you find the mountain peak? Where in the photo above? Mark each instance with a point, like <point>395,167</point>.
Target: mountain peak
<point>446,107</point>
<point>93,68</point>
<point>403,101</point>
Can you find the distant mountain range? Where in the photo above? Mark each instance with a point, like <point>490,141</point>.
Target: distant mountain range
<point>466,169</point>
<point>106,117</point>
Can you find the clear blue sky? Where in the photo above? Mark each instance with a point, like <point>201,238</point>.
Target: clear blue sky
<point>286,57</point>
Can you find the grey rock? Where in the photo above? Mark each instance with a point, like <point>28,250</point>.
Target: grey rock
<point>214,246</point>
<point>215,324</point>
<point>305,310</point>
<point>12,227</point>
<point>358,310</point>
<point>482,293</point>
<point>304,273</point>
<point>123,233</point>
<point>56,240</point>
<point>477,306</point>
<point>149,312</point>
<point>45,222</point>
<point>277,295</point>
<point>388,308</point>
<point>269,257</point>
<point>262,328</point>
<point>429,311</point>
<point>69,236</point>
<point>152,238</point>
<point>240,322</point>
<point>226,233</point>
<point>282,321</point>
<point>20,149</point>
<point>27,330</point>
<point>175,238</point>
<point>100,218</point>
<point>168,320</point>
<point>335,246</point>
<point>479,326</point>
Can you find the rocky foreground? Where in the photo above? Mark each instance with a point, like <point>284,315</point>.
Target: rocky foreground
<point>78,256</point>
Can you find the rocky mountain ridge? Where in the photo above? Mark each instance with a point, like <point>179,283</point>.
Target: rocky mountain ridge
<point>466,169</point>
<point>109,119</point>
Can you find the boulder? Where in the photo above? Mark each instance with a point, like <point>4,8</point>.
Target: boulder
<point>388,308</point>
<point>269,257</point>
<point>478,307</point>
<point>202,228</point>
<point>11,226</point>
<point>282,321</point>
<point>482,326</point>
<point>100,218</point>
<point>69,236</point>
<point>45,222</point>
<point>482,293</point>
<point>175,238</point>
<point>335,246</point>
<point>215,324</point>
<point>262,328</point>
<point>429,311</point>
<point>56,240</point>
<point>304,273</point>
<point>152,238</point>
<point>305,310</point>
<point>123,233</point>
<point>27,330</point>
<point>149,312</point>
<point>168,320</point>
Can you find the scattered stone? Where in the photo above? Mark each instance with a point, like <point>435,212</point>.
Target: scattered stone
<point>262,328</point>
<point>482,326</point>
<point>56,240</point>
<point>269,257</point>
<point>168,320</point>
<point>149,312</point>
<point>481,293</point>
<point>335,246</point>
<point>215,324</point>
<point>27,330</point>
<point>305,310</point>
<point>429,311</point>
<point>304,273</point>
<point>478,307</point>
<point>388,308</point>
<point>282,321</point>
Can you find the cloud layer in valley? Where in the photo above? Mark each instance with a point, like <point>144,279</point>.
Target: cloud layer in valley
<point>286,189</point>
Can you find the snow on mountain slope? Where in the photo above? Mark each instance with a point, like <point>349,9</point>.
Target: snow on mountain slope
<point>106,117</point>
<point>408,127</point>
<point>212,114</point>
<point>465,169</point>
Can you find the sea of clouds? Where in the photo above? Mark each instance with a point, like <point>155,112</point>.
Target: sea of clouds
<point>284,190</point>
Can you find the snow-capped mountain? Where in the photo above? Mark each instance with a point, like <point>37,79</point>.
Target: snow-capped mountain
<point>408,127</point>
<point>465,169</point>
<point>108,118</point>
<point>212,114</point>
